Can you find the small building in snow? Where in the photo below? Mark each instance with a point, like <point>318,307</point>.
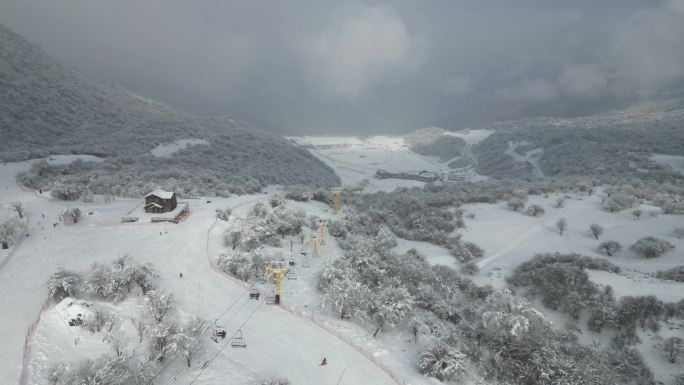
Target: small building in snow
<point>160,201</point>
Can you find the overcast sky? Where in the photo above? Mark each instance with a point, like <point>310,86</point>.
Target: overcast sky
<point>370,66</point>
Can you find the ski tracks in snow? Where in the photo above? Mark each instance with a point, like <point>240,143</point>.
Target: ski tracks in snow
<point>510,247</point>
<point>304,317</point>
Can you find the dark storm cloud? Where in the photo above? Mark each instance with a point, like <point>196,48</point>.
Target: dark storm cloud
<point>368,66</point>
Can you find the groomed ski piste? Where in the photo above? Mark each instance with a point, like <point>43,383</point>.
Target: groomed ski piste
<point>289,341</point>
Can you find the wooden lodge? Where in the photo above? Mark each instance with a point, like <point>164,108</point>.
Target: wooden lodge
<point>160,201</point>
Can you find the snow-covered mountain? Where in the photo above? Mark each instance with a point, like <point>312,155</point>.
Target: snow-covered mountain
<point>613,144</point>
<point>47,107</point>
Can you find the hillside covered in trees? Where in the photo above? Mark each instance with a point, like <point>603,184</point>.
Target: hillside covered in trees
<point>47,107</point>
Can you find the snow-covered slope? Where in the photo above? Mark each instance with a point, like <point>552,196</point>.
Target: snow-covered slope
<point>356,159</point>
<point>280,343</point>
<point>47,108</point>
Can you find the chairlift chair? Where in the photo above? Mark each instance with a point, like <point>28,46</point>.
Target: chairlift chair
<point>253,292</point>
<point>270,298</point>
<point>238,341</point>
<point>291,274</point>
<point>219,332</point>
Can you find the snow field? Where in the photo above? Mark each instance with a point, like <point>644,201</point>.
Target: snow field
<point>280,343</point>
<point>355,159</point>
<point>165,150</point>
<point>674,161</point>
<point>300,297</point>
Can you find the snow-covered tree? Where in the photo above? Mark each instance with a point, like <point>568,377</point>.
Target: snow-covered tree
<point>560,202</point>
<point>595,230</point>
<point>16,206</point>
<point>619,202</point>
<point>63,283</point>
<point>223,214</point>
<point>465,251</point>
<point>562,225</point>
<point>10,227</point>
<point>104,283</point>
<point>470,268</point>
<point>337,229</point>
<point>276,200</point>
<point>675,274</point>
<point>610,248</point>
<point>97,320</point>
<point>299,193</point>
<point>286,221</point>
<point>187,339</point>
<point>162,339</point>
<point>391,306</point>
<point>158,305</point>
<point>345,295</point>
<point>259,210</point>
<point>442,361</point>
<point>670,347</point>
<point>534,210</point>
<point>652,247</point>
<point>106,370</point>
<point>114,343</point>
<point>515,204</point>
<point>237,265</point>
<point>142,275</point>
<point>233,238</point>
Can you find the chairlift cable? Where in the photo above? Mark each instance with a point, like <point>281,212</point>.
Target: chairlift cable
<point>199,335</point>
<point>225,344</point>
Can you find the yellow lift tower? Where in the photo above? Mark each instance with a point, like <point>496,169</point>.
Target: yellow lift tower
<point>336,194</point>
<point>277,270</point>
<point>322,223</point>
<point>314,245</point>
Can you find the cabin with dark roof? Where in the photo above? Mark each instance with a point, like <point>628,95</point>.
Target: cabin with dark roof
<point>160,201</point>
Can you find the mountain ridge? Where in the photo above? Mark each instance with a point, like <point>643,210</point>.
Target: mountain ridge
<point>49,108</point>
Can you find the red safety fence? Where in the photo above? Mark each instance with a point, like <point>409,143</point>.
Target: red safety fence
<point>348,341</point>
<point>26,355</point>
<point>307,317</point>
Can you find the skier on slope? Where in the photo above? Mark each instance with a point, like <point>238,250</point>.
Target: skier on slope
<point>324,362</point>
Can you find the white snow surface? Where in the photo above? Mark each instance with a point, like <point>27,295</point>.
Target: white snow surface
<point>280,343</point>
<point>471,136</point>
<point>674,161</point>
<point>161,194</point>
<point>355,159</point>
<point>167,149</point>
